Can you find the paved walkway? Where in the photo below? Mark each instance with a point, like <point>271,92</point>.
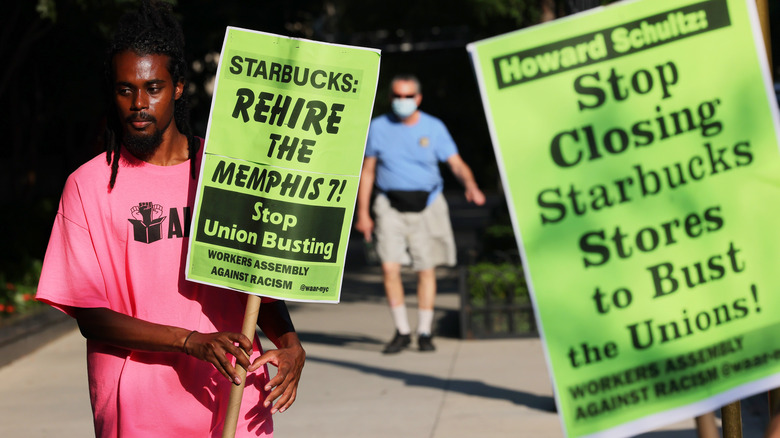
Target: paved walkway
<point>467,388</point>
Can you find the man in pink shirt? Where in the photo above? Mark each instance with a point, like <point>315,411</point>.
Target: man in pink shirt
<point>160,349</point>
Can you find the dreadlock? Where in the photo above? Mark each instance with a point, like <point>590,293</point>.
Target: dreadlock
<point>152,30</point>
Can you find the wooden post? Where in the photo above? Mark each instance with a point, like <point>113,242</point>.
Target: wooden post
<point>237,391</point>
<point>774,402</point>
<point>732,420</point>
<point>774,411</point>
<point>548,10</point>
<point>763,18</point>
<point>706,427</point>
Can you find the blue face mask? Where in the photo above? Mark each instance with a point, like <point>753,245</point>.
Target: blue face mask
<point>404,107</point>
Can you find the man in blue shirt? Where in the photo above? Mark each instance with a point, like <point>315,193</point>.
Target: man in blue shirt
<point>403,152</point>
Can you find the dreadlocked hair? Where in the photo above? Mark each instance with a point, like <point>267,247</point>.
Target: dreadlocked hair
<point>152,30</point>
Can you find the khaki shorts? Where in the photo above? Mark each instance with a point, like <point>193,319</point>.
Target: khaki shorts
<point>423,239</point>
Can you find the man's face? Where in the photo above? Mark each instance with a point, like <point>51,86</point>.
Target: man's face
<point>145,94</point>
<point>405,98</point>
<point>405,90</point>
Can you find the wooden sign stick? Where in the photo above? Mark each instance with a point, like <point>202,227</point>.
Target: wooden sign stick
<point>237,391</point>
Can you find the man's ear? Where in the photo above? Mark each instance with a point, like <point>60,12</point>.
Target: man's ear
<point>179,90</point>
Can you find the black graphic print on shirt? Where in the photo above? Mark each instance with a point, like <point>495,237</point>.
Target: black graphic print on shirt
<point>148,222</point>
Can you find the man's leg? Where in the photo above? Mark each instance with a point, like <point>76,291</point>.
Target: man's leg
<point>426,296</point>
<point>394,290</point>
<point>394,287</point>
<point>426,288</point>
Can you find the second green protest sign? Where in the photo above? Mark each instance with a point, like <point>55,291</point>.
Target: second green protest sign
<point>281,165</point>
<point>639,151</point>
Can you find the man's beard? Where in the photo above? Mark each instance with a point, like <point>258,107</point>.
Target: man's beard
<point>143,146</point>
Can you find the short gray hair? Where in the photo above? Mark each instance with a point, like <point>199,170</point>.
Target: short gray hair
<point>406,77</point>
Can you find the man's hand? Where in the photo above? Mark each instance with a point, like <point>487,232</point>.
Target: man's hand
<point>475,195</point>
<point>215,347</point>
<point>365,225</point>
<point>284,386</point>
<point>123,331</point>
<point>275,322</point>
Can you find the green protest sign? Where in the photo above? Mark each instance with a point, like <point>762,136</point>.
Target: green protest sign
<point>638,146</point>
<point>281,164</point>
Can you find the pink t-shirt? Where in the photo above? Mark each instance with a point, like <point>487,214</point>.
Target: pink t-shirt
<point>125,250</point>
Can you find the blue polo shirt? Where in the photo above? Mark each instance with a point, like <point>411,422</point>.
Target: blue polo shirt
<point>408,156</point>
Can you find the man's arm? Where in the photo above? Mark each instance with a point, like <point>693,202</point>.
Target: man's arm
<point>275,322</point>
<point>364,223</point>
<point>120,330</point>
<point>463,173</point>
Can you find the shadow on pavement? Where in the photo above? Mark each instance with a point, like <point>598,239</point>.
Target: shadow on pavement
<point>357,342</point>
<point>466,387</point>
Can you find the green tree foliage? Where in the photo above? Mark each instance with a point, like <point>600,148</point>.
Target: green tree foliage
<point>47,90</point>
<point>51,80</point>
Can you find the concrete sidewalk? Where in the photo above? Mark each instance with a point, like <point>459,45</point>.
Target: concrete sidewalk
<point>484,388</point>
<point>467,388</point>
<point>495,388</point>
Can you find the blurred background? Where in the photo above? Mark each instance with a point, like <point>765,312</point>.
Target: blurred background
<point>51,89</point>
